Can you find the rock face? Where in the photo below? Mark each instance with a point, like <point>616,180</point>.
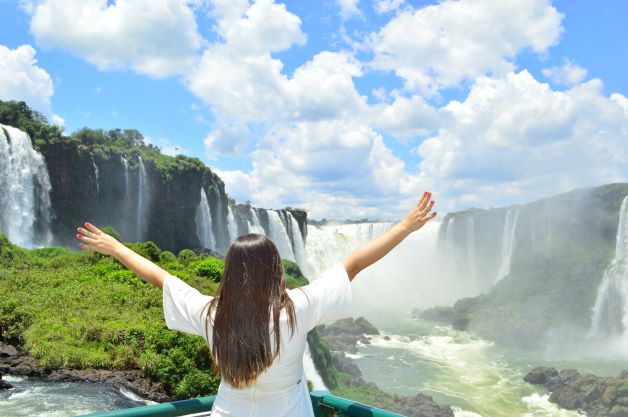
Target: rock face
<point>343,337</point>
<point>597,396</point>
<point>133,380</point>
<point>88,183</point>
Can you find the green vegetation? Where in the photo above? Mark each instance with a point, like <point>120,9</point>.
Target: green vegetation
<point>81,311</point>
<point>84,310</point>
<point>294,276</point>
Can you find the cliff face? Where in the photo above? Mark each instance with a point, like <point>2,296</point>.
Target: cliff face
<point>538,265</point>
<point>109,188</point>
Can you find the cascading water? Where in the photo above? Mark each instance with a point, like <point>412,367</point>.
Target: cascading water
<point>298,245</point>
<point>125,164</point>
<point>508,243</point>
<point>143,202</point>
<point>256,226</point>
<point>610,312</point>
<point>96,175</point>
<point>471,255</point>
<point>25,190</point>
<point>232,226</point>
<point>203,221</point>
<point>279,235</point>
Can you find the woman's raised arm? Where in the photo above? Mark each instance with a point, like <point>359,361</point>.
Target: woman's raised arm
<point>379,247</point>
<point>96,240</point>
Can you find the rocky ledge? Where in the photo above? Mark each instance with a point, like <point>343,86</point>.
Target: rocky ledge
<point>343,337</point>
<point>15,362</point>
<point>597,396</point>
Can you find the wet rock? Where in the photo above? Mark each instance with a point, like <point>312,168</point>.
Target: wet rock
<point>597,396</point>
<point>4,384</point>
<point>8,350</point>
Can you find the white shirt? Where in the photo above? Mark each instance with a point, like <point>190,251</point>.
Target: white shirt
<point>281,390</point>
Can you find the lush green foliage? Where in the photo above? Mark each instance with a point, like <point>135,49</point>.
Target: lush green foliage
<point>211,268</point>
<point>293,275</point>
<point>17,113</point>
<point>71,309</point>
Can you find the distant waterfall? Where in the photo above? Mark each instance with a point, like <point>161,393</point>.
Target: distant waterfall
<point>143,201</point>
<point>508,243</point>
<point>298,245</point>
<point>96,175</point>
<point>279,235</point>
<point>232,226</point>
<point>204,225</point>
<point>125,164</point>
<point>24,190</point>
<point>256,226</point>
<point>610,312</point>
<point>471,255</point>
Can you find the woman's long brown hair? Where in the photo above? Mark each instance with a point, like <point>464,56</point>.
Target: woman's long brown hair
<point>251,291</point>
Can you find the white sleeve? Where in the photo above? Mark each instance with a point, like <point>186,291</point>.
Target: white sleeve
<point>329,296</point>
<point>184,306</point>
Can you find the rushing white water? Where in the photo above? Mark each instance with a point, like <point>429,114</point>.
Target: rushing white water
<point>96,174</point>
<point>455,368</point>
<point>143,202</point>
<point>471,255</point>
<point>610,312</point>
<point>508,243</point>
<point>24,190</point>
<point>32,397</point>
<point>256,225</point>
<point>203,219</point>
<point>311,373</point>
<point>297,239</point>
<point>279,235</point>
<point>127,188</point>
<point>232,227</point>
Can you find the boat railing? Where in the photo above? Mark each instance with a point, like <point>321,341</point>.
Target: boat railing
<point>324,405</point>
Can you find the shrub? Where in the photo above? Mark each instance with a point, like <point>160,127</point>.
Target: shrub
<point>211,268</point>
<point>147,249</point>
<point>167,257</point>
<point>187,256</point>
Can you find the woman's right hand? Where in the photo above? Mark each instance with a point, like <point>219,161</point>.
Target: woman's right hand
<point>96,240</point>
<point>420,214</point>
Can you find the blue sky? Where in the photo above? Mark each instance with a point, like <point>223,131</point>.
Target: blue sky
<point>346,108</point>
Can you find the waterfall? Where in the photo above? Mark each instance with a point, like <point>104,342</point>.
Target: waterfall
<point>25,190</point>
<point>298,246</point>
<point>143,197</point>
<point>125,164</point>
<point>203,221</point>
<point>471,255</point>
<point>610,311</point>
<point>508,243</point>
<point>311,374</point>
<point>232,226</point>
<point>279,235</point>
<point>96,175</point>
<point>256,225</point>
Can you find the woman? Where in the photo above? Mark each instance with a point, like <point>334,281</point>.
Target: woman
<point>256,328</point>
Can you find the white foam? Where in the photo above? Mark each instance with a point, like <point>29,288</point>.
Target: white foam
<point>134,397</point>
<point>539,405</point>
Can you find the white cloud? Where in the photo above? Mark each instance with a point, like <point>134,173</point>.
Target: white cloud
<point>516,139</point>
<point>441,45</point>
<point>226,139</point>
<point>315,164</point>
<point>154,37</point>
<point>569,74</point>
<point>21,79</point>
<point>407,117</point>
<point>387,6</point>
<point>349,8</point>
<point>264,27</point>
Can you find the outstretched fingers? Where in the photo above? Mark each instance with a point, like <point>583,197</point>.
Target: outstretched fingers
<point>93,229</point>
<point>424,200</point>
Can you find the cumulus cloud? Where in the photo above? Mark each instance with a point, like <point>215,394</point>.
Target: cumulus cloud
<point>226,139</point>
<point>441,45</point>
<point>310,164</point>
<point>407,117</point>
<point>387,6</point>
<point>516,139</point>
<point>348,8</point>
<point>569,74</point>
<point>158,38</point>
<point>21,79</point>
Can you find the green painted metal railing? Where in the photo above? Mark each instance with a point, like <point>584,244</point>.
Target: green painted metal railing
<point>324,405</point>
